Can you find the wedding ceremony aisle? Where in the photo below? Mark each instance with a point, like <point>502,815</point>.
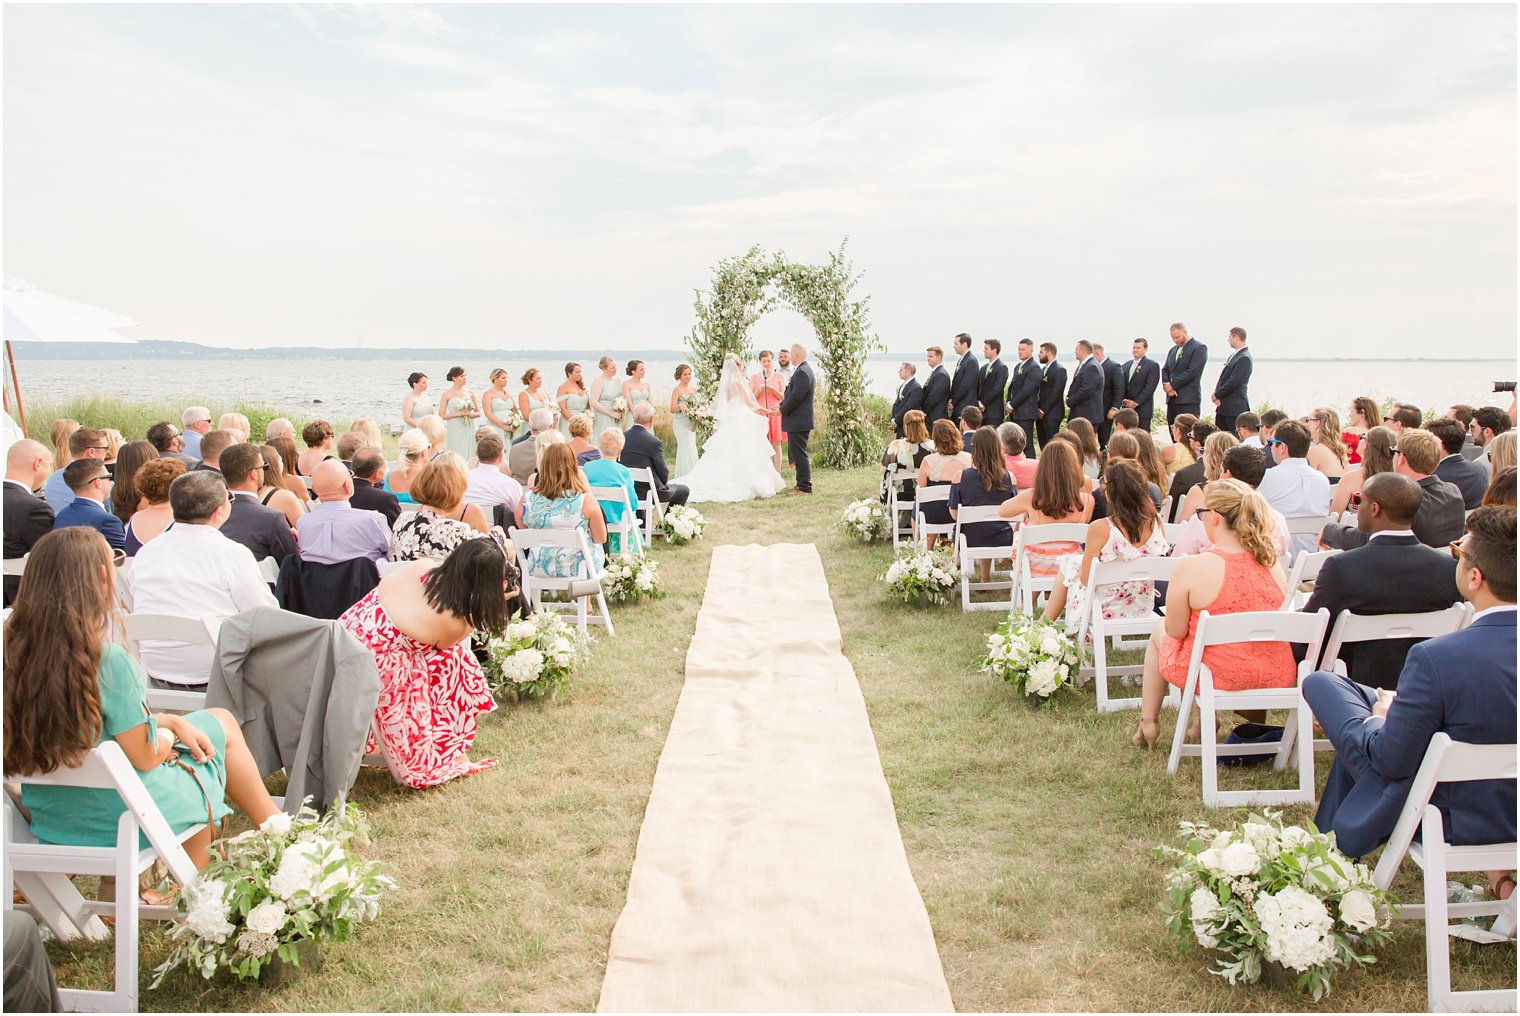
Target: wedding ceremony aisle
<point>769,872</point>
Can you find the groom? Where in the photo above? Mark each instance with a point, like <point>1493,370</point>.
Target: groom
<point>797,417</point>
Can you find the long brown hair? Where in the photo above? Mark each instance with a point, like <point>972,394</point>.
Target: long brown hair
<point>287,449</point>
<point>132,457</point>
<point>1129,499</point>
<point>558,474</point>
<point>1330,431</point>
<point>1082,430</point>
<point>1365,405</point>
<point>1378,457</point>
<point>1058,480</point>
<point>987,459</point>
<point>59,433</point>
<point>53,644</point>
<point>1150,457</point>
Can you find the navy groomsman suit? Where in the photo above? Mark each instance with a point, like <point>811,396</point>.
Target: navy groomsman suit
<point>1052,402</point>
<point>965,385</point>
<point>1085,397</point>
<point>1141,379</point>
<point>1230,389</point>
<point>910,396</point>
<point>994,382</point>
<point>936,396</point>
<point>1113,397</point>
<point>1183,371</point>
<point>1024,396</point>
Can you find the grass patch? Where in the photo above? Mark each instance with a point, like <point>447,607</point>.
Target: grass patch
<point>1029,831</point>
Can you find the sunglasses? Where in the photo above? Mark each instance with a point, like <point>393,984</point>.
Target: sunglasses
<point>1198,512</point>
<point>1273,441</point>
<point>1456,550</point>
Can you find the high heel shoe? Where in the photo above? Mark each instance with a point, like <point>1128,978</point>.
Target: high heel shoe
<point>1146,733</point>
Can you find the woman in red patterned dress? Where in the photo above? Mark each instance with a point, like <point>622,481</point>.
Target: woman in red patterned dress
<point>418,622</point>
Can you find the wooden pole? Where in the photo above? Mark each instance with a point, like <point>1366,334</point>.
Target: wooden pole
<point>10,355</point>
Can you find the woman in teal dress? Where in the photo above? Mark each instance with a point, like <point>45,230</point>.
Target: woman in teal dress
<point>68,690</point>
<point>460,412</point>
<point>558,501</point>
<point>607,471</point>
<point>635,390</point>
<point>681,398</point>
<point>571,398</point>
<point>531,397</point>
<point>605,390</point>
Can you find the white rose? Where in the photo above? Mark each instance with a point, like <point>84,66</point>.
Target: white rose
<point>1050,646</point>
<point>1240,859</point>
<point>277,824</point>
<point>1204,905</point>
<point>644,581</point>
<point>1358,910</point>
<point>1212,860</point>
<point>1294,837</point>
<point>268,917</point>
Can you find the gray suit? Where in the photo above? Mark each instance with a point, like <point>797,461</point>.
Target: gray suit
<point>1440,520</point>
<point>522,460</point>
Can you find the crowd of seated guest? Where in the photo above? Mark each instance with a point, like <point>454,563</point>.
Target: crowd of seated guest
<point>149,521</point>
<point>986,483</point>
<point>1439,519</point>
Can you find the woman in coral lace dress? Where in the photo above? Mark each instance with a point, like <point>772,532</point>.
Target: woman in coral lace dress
<point>1241,573</point>
<point>418,623</point>
<point>769,387</point>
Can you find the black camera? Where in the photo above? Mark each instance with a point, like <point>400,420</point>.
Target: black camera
<point>1504,386</point>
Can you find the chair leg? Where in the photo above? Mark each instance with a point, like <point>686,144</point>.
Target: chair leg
<point>601,601</point>
<point>1208,730</point>
<point>1182,721</point>
<point>126,915</point>
<point>1100,666</point>
<point>1437,932</point>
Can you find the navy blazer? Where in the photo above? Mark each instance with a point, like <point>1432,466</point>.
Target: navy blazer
<point>1052,395</point>
<point>1440,519</point>
<point>26,519</point>
<point>1113,386</point>
<point>1140,388</point>
<point>642,450</point>
<point>261,529</point>
<point>796,405</point>
<point>936,396</point>
<point>1024,390</point>
<point>1085,396</point>
<point>84,511</point>
<point>965,385</point>
<point>1184,371</point>
<point>910,398</point>
<point>1467,476</point>
<point>1230,389</point>
<point>990,394</point>
<point>1463,685</point>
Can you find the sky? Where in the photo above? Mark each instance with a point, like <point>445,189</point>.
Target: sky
<point>1333,179</point>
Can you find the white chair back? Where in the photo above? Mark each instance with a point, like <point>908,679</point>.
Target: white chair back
<point>1307,525</point>
<point>897,506</point>
<point>386,567</point>
<point>269,570</point>
<point>923,529</point>
<point>534,586</point>
<point>1166,509</point>
<point>196,631</point>
<point>627,526</point>
<point>649,504</point>
<point>1027,586</point>
<point>15,566</point>
<point>1305,569</point>
<point>969,556</point>
<point>1172,531</point>
<point>1091,621</point>
<point>1352,628</point>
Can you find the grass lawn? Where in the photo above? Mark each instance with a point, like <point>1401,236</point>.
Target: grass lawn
<point>1029,831</point>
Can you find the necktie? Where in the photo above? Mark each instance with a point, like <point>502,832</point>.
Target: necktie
<point>1129,375</point>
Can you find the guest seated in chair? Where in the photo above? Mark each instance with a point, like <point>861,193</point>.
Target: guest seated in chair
<point>1056,497</point>
<point>91,485</point>
<point>580,439</point>
<point>986,483</point>
<point>334,530</point>
<point>558,501</point>
<point>1131,531</point>
<point>906,453</point>
<point>940,467</point>
<point>262,530</point>
<point>607,471</point>
<point>435,526</point>
<point>642,450</point>
<point>67,690</point>
<point>1462,684</point>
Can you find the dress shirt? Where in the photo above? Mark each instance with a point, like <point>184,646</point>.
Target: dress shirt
<point>488,487</point>
<point>1297,489</point>
<point>192,571</point>
<point>1254,441</point>
<point>57,493</point>
<point>1495,609</point>
<point>335,531</point>
<point>1194,539</point>
<point>1390,532</point>
<point>192,442</point>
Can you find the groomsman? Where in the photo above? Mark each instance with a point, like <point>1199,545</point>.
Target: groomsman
<point>936,388</point>
<point>1230,398</point>
<point>1051,409</point>
<point>1113,392</point>
<point>1085,397</point>
<point>1141,375</point>
<point>910,396</point>
<point>1182,373</point>
<point>1024,391</point>
<point>993,384</point>
<point>965,379</point>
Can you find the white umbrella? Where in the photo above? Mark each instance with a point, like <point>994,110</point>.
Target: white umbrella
<point>34,316</point>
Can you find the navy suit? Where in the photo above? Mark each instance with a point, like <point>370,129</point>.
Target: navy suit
<point>1183,371</point>
<point>1230,390</point>
<point>1085,396</point>
<point>262,530</point>
<point>965,386</point>
<point>797,420</point>
<point>910,396</point>
<point>994,382</point>
<point>84,511</point>
<point>1141,379</point>
<point>1468,477</point>
<point>1113,397</point>
<point>1024,396</point>
<point>642,450</point>
<point>936,396</point>
<point>1463,685</point>
<point>27,518</point>
<point>1052,402</point>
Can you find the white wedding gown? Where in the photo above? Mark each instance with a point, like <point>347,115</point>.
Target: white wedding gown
<point>736,461</point>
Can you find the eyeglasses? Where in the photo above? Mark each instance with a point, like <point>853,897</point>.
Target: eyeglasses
<point>1198,512</point>
<point>1387,419</point>
<point>99,448</point>
<point>1456,550</point>
<point>1393,449</point>
<point>103,476</point>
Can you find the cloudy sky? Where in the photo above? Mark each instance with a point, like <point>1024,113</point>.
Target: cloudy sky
<point>1330,178</point>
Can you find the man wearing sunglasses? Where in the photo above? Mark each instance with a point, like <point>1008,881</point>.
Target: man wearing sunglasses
<point>1462,684</point>
<point>91,485</point>
<point>85,443</point>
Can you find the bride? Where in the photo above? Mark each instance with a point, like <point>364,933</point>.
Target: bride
<point>736,461</point>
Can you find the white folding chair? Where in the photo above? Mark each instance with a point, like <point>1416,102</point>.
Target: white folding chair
<point>627,526</point>
<point>1166,509</point>
<point>269,570</point>
<point>1027,586</point>
<point>1352,628</point>
<point>1172,531</point>
<point>1307,525</point>
<point>196,631</point>
<point>534,586</point>
<point>41,871</point>
<point>898,506</point>
<point>1091,621</point>
<point>969,556</point>
<point>1305,569</point>
<point>1231,629</point>
<point>1448,761</point>
<point>922,530</point>
<point>649,504</point>
<point>16,566</point>
<point>390,567</point>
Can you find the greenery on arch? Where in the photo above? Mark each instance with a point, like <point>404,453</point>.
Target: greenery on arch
<point>745,288</point>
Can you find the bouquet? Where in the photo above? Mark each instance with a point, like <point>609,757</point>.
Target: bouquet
<point>865,520</point>
<point>682,523</point>
<point>620,404</point>
<point>468,408</point>
<point>630,576</point>
<point>535,657</point>
<point>1269,893</point>
<point>291,881</point>
<point>511,419</point>
<point>1034,655</point>
<point>920,576</point>
<point>701,414</point>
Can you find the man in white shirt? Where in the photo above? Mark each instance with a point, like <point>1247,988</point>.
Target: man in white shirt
<point>1248,467</point>
<point>192,570</point>
<point>486,485</point>
<point>1248,429</point>
<point>1293,487</point>
<point>784,364</point>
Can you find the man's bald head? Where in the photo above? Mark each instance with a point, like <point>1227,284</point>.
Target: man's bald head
<point>330,481</point>
<point>28,462</point>
<point>1397,498</point>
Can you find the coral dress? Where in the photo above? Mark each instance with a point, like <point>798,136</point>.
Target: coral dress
<point>769,392</point>
<point>1239,666</point>
<point>429,699</point>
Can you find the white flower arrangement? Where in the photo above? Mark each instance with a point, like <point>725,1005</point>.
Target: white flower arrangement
<point>701,413</point>
<point>631,576</point>
<point>511,418</point>
<point>620,404</point>
<point>866,520</point>
<point>920,574</point>
<point>535,657</point>
<point>291,881</point>
<point>1269,893</point>
<point>468,408</point>
<point>1034,655</point>
<point>682,523</point>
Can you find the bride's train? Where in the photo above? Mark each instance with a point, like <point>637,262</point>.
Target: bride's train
<point>736,462</point>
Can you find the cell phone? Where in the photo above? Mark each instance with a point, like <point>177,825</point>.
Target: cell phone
<point>1356,500</point>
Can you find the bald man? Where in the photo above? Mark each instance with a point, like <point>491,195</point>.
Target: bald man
<point>335,531</point>
<point>27,517</point>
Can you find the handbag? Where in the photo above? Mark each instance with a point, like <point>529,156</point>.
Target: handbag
<point>1252,733</point>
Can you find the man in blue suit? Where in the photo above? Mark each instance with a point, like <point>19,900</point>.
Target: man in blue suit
<point>965,379</point>
<point>910,396</point>
<point>1141,376</point>
<point>1181,374</point>
<point>1230,398</point>
<point>1461,684</point>
<point>1024,391</point>
<point>91,485</point>
<point>936,388</point>
<point>1113,392</point>
<point>1085,397</point>
<point>1051,407</point>
<point>992,391</point>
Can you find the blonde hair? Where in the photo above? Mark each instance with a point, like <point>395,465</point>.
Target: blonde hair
<point>610,442</point>
<point>558,475</point>
<point>371,432</point>
<point>1501,453</point>
<point>456,460</point>
<point>580,426</point>
<point>114,440</point>
<point>1247,515</point>
<point>433,426</point>
<point>1214,448</point>
<point>237,422</point>
<point>413,445</point>
<point>59,433</point>
<point>1330,431</point>
<point>440,486</point>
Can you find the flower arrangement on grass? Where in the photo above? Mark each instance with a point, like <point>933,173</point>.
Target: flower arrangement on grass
<point>920,576</point>
<point>1034,655</point>
<point>682,523</point>
<point>535,657</point>
<point>1268,893</point>
<point>628,577</point>
<point>866,520</point>
<point>292,881</point>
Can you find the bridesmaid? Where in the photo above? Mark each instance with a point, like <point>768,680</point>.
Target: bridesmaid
<point>494,394</point>
<point>571,398</point>
<point>459,410</point>
<point>604,391</point>
<point>634,390</point>
<point>532,395</point>
<point>416,405</point>
<point>680,421</point>
<point>769,388</point>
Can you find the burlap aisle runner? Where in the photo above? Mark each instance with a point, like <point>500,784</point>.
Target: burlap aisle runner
<point>770,874</point>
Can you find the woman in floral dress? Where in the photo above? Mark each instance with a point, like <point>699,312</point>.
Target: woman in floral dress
<point>441,520</point>
<point>1132,530</point>
<point>418,622</point>
<point>558,501</point>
